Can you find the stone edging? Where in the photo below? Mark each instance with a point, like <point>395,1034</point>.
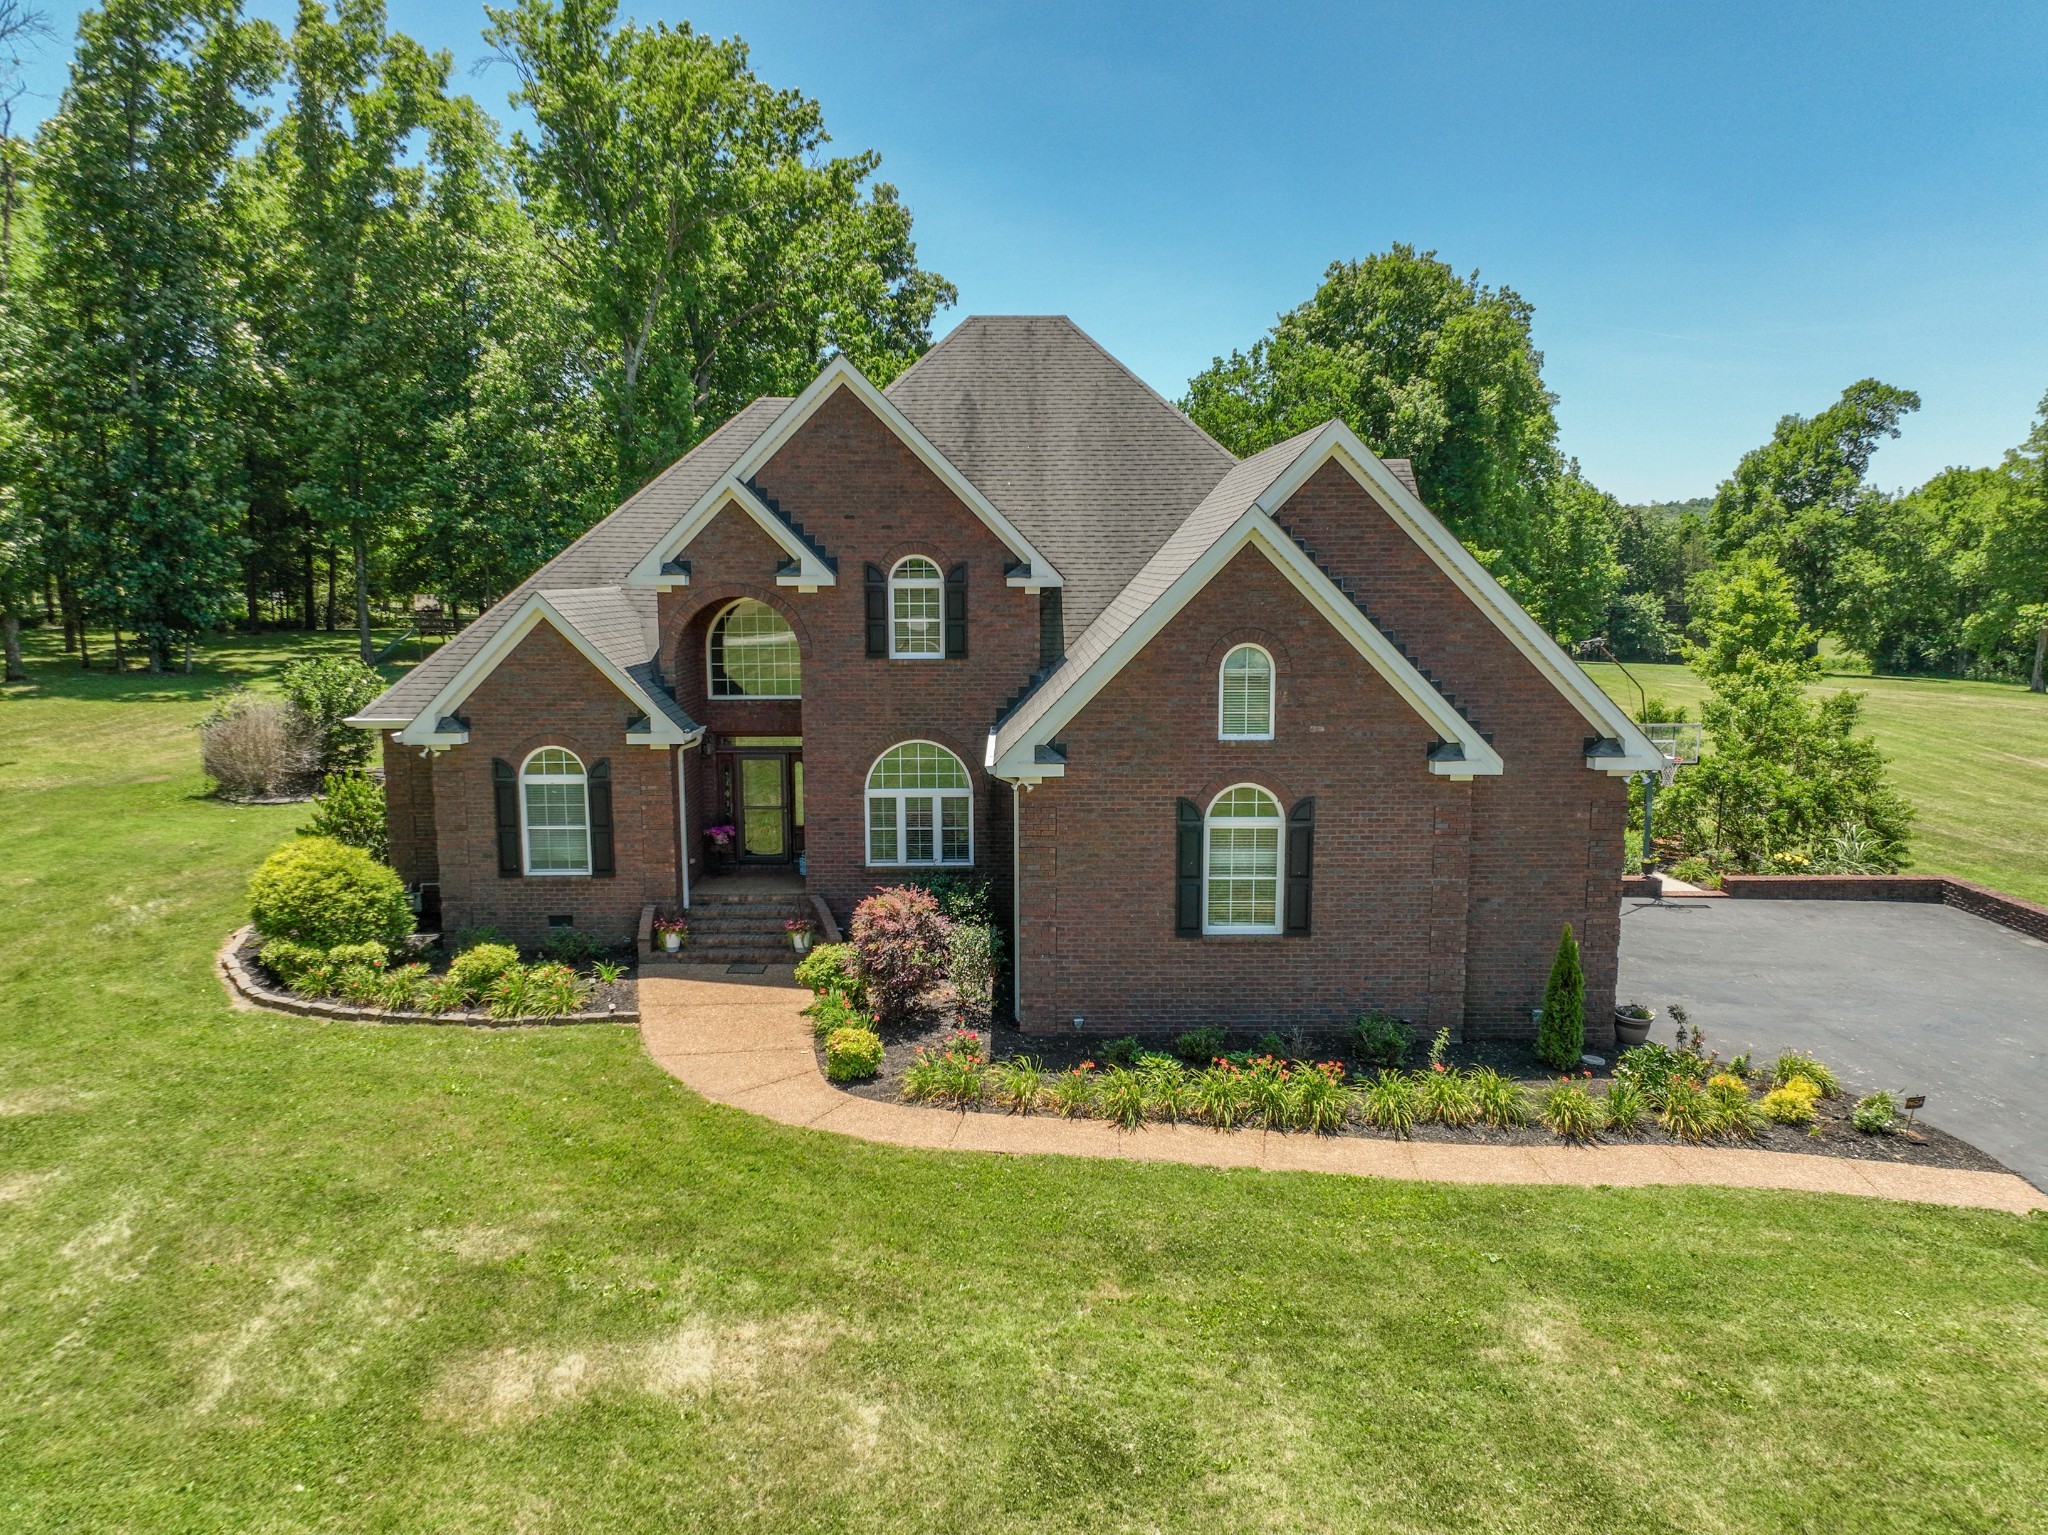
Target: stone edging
<point>746,1044</point>
<point>245,983</point>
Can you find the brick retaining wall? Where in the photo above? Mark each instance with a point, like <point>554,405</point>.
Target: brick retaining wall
<point>1931,889</point>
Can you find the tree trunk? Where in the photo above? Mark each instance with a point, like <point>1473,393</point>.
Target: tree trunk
<point>188,655</point>
<point>329,625</point>
<point>120,651</point>
<point>10,626</point>
<point>310,606</point>
<point>359,546</point>
<point>2039,683</point>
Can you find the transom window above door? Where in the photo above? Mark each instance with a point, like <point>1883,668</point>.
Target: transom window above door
<point>753,654</point>
<point>920,807</point>
<point>917,610</point>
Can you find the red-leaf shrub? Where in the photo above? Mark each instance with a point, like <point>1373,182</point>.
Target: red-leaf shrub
<point>900,937</point>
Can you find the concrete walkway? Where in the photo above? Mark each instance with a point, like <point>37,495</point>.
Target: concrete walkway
<point>743,1041</point>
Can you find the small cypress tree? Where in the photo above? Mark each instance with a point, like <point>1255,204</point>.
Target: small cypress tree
<point>1562,1037</point>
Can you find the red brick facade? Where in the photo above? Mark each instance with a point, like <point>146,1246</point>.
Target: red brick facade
<point>1440,901</point>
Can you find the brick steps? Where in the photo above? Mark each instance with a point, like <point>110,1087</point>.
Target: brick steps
<point>743,928</point>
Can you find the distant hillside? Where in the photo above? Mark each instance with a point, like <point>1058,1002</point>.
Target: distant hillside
<point>1699,506</point>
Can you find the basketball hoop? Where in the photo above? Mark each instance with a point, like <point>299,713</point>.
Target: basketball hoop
<point>1678,740</point>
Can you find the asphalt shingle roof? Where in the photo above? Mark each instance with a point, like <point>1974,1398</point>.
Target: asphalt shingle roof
<point>624,624</point>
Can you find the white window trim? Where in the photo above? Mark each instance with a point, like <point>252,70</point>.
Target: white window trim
<point>899,582</point>
<point>1272,694</point>
<point>1279,825</point>
<point>710,682</point>
<point>525,838</point>
<point>867,799</point>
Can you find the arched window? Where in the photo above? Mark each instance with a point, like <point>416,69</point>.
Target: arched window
<point>920,807</point>
<point>1242,873</point>
<point>917,611</point>
<point>754,654</point>
<point>554,807</point>
<point>1245,705</point>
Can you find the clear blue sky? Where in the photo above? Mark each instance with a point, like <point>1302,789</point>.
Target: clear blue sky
<point>1721,212</point>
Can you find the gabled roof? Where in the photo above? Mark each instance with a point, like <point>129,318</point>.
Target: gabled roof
<point>600,557</point>
<point>1228,519</point>
<point>1091,464</point>
<point>613,628</point>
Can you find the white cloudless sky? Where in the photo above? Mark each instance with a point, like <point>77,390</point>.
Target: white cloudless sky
<point>1721,212</point>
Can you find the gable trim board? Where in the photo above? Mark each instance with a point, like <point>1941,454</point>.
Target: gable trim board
<point>1338,442</point>
<point>1030,757</point>
<point>431,727</point>
<point>1032,571</point>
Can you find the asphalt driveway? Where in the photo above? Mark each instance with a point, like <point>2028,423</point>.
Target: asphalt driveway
<point>1919,999</point>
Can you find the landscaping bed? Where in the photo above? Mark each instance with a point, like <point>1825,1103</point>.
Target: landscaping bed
<point>935,1024</point>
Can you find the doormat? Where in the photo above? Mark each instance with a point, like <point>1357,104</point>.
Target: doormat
<point>743,969</point>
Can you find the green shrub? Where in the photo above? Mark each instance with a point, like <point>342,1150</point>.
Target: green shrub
<point>477,969</point>
<point>1017,1084</point>
<point>1500,1100</point>
<point>375,955</point>
<point>1123,1051</point>
<point>1321,1101</point>
<point>324,893</point>
<point>1875,1114</point>
<point>1269,1044</point>
<point>1797,1063</point>
<point>851,1054</point>
<point>964,899</point>
<point>1626,1108</point>
<point>1217,1095</point>
<point>572,946</point>
<point>289,961</point>
<point>1445,1097</point>
<point>900,936</point>
<point>830,1010</point>
<point>829,967</point>
<point>324,691</point>
<point>1651,1069</point>
<point>1788,1105</point>
<point>1198,1047</point>
<point>1570,1111</point>
<point>1561,1035</point>
<point>351,811</point>
<point>1121,1095</point>
<point>1390,1102</point>
<point>554,990</point>
<point>971,964</point>
<point>1689,1112</point>
<point>1380,1039</point>
<point>1696,871</point>
<point>1073,1092</point>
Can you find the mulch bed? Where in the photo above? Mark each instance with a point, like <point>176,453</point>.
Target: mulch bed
<point>1925,1146</point>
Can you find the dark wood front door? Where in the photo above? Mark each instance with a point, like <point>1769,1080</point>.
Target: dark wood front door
<point>767,805</point>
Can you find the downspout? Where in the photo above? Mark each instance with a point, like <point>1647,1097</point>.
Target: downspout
<point>1016,904</point>
<point>683,824</point>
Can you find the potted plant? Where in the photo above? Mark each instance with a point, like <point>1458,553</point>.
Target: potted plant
<point>1632,1024</point>
<point>800,930</point>
<point>721,836</point>
<point>672,932</point>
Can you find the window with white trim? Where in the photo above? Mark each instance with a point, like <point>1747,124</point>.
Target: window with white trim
<point>920,807</point>
<point>554,807</point>
<point>1244,709</point>
<point>753,654</point>
<point>917,611</point>
<point>1241,875</point>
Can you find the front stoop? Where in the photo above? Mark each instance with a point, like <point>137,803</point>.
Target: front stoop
<point>737,929</point>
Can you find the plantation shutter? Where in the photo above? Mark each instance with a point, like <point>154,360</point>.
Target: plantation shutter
<point>878,611</point>
<point>505,800</point>
<point>599,783</point>
<point>1301,857</point>
<point>1187,870</point>
<point>956,612</point>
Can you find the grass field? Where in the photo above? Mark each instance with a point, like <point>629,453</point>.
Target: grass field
<point>1971,756</point>
<point>262,1273</point>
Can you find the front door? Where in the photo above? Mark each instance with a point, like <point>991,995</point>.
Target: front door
<point>768,793</point>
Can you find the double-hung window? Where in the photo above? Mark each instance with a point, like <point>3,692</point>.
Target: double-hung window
<point>554,801</point>
<point>1242,862</point>
<point>917,611</point>
<point>920,807</point>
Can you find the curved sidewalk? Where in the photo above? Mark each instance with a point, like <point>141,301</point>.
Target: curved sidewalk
<point>747,1044</point>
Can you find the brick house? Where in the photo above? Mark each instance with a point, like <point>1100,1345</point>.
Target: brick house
<point>1235,741</point>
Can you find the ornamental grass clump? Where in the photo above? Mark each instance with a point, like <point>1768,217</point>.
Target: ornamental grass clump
<point>324,893</point>
<point>1794,1064</point>
<point>1120,1097</point>
<point>1269,1095</point>
<point>400,988</point>
<point>901,940</point>
<point>1168,1090</point>
<point>1689,1112</point>
<point>1569,1110</point>
<point>1218,1095</point>
<point>1444,1096</point>
<point>852,1054</point>
<point>1073,1091</point>
<point>1321,1101</point>
<point>1017,1084</point>
<point>441,994</point>
<point>555,990</point>
<point>1500,1100</point>
<point>1390,1101</point>
<point>1625,1108</point>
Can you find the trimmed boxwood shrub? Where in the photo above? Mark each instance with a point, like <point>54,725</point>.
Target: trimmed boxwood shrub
<point>476,968</point>
<point>323,893</point>
<point>852,1053</point>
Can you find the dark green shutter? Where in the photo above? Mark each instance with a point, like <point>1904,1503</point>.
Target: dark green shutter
<point>956,611</point>
<point>1187,870</point>
<point>505,800</point>
<point>600,787</point>
<point>878,612</point>
<point>1301,859</point>
<point>1052,636</point>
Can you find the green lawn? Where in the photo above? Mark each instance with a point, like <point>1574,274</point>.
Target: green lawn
<point>1971,756</point>
<point>262,1273</point>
